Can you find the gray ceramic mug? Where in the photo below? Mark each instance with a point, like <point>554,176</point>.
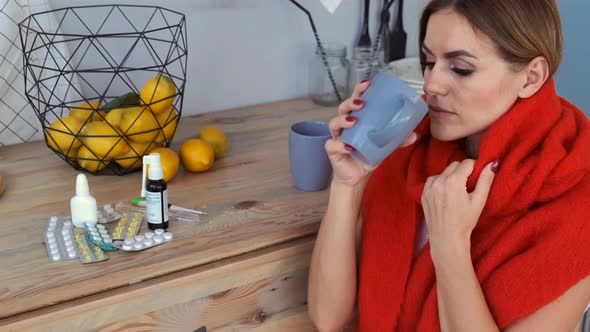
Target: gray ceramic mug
<point>392,111</point>
<point>310,167</point>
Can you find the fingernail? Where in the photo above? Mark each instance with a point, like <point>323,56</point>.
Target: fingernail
<point>351,118</point>
<point>364,81</point>
<point>495,166</point>
<point>358,102</point>
<point>349,148</point>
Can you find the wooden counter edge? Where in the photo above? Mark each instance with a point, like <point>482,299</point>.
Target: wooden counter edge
<point>129,301</point>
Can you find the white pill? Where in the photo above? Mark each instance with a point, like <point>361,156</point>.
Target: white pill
<point>137,245</point>
<point>148,242</point>
<point>56,257</point>
<point>51,240</point>
<point>51,228</point>
<point>68,242</point>
<point>100,226</point>
<point>107,206</point>
<point>50,234</point>
<point>158,239</point>
<point>67,236</point>
<point>159,231</point>
<point>71,254</point>
<point>70,247</point>
<point>67,224</point>
<point>128,241</point>
<point>139,238</point>
<point>54,251</point>
<point>167,236</point>
<point>109,240</point>
<point>103,231</point>
<point>52,245</point>
<point>53,219</point>
<point>149,235</point>
<point>127,246</point>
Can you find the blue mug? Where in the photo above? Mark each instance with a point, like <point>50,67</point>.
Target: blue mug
<point>391,112</point>
<point>310,167</point>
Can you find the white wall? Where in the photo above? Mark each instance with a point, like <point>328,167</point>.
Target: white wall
<point>245,52</point>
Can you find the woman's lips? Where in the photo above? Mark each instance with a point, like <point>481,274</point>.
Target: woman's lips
<point>437,112</point>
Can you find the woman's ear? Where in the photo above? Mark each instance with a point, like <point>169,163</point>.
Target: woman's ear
<point>536,73</point>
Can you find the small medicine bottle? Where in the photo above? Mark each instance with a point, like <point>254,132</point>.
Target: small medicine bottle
<point>156,193</point>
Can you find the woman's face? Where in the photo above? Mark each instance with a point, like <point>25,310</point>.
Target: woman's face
<point>468,84</point>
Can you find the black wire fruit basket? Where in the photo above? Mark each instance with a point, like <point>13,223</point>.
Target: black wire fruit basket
<point>110,92</point>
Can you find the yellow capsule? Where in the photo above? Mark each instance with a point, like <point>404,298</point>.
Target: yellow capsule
<point>98,253</point>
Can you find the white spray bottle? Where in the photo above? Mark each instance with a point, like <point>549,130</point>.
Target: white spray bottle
<point>155,190</point>
<point>83,205</point>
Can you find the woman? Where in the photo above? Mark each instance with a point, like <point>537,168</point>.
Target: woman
<point>479,222</point>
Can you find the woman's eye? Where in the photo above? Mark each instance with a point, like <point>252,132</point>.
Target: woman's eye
<point>427,64</point>
<point>462,72</point>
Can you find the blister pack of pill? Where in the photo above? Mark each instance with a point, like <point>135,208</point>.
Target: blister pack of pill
<point>128,226</point>
<point>100,237</point>
<point>108,214</point>
<point>59,239</point>
<point>176,216</point>
<point>89,253</point>
<point>142,242</point>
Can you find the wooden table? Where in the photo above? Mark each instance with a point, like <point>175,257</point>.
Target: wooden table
<point>242,266</point>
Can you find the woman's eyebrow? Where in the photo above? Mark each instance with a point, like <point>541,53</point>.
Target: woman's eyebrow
<point>452,54</point>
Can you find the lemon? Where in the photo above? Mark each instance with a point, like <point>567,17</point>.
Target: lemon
<point>72,153</point>
<point>170,162</point>
<point>114,116</point>
<point>61,134</point>
<point>139,124</point>
<point>168,120</point>
<point>216,138</point>
<point>84,110</point>
<point>159,90</point>
<point>196,155</point>
<point>132,159</point>
<point>89,161</point>
<point>103,140</point>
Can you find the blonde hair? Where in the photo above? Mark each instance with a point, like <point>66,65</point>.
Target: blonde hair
<point>521,29</point>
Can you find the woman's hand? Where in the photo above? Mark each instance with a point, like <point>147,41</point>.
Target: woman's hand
<point>451,212</point>
<point>347,169</point>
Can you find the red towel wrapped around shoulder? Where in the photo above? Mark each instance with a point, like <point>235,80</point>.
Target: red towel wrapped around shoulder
<point>531,243</point>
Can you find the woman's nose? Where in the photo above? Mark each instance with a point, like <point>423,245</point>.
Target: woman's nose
<point>434,82</point>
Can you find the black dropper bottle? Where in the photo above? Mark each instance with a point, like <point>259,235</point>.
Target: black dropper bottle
<point>156,194</point>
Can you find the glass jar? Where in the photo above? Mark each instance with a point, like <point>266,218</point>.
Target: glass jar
<point>360,66</point>
<point>320,84</point>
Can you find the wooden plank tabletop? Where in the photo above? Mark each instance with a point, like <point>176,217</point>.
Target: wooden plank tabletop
<point>248,194</point>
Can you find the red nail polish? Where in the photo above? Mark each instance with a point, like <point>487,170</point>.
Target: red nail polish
<point>349,148</point>
<point>364,81</point>
<point>358,102</point>
<point>495,166</point>
<point>351,118</point>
